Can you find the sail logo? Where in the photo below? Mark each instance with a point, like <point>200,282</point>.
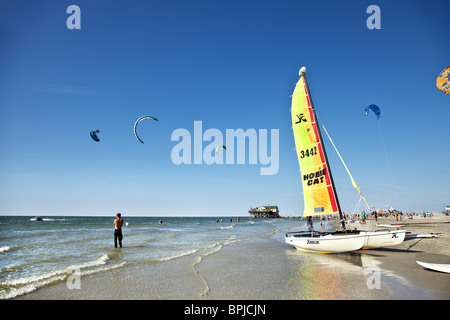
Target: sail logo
<point>301,118</point>
<point>315,177</point>
<point>236,142</point>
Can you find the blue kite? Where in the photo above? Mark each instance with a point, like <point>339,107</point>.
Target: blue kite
<point>94,135</point>
<point>375,110</point>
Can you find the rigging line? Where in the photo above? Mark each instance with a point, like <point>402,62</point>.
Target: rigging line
<point>348,171</point>
<point>388,164</point>
<point>125,173</point>
<point>357,206</point>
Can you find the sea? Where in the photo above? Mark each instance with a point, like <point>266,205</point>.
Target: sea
<point>38,254</point>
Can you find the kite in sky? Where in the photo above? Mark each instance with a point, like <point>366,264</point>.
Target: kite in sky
<point>139,120</point>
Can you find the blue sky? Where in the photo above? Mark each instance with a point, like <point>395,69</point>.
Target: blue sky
<point>229,64</point>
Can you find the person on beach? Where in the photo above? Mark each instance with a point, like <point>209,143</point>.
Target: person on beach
<point>309,223</point>
<point>118,223</point>
<point>363,218</point>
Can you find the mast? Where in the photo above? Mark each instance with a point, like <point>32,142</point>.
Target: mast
<point>341,217</point>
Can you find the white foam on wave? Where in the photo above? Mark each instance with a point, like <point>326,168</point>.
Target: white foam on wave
<point>49,219</point>
<point>177,255</point>
<point>31,283</point>
<point>30,287</point>
<point>100,261</point>
<point>4,249</point>
<point>39,277</point>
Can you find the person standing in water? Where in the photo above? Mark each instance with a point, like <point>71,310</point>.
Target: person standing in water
<point>118,223</point>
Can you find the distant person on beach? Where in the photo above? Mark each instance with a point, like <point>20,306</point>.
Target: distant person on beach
<point>118,223</point>
<point>309,223</point>
<point>363,218</point>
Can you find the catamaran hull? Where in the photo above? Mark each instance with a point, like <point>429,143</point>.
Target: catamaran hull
<point>435,266</point>
<point>326,243</point>
<point>383,238</point>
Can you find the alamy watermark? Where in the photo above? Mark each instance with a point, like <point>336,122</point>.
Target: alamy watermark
<point>74,20</point>
<point>251,142</point>
<point>374,280</point>
<point>74,280</point>
<point>374,20</point>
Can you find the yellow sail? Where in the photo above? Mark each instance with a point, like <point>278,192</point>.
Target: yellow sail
<point>318,191</point>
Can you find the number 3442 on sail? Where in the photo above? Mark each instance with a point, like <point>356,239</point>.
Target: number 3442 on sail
<point>308,152</point>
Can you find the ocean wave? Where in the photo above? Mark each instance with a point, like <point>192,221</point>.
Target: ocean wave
<point>21,286</point>
<point>228,227</point>
<point>4,249</point>
<point>203,250</point>
<point>176,255</point>
<point>106,268</point>
<point>175,229</point>
<point>39,277</point>
<point>217,246</point>
<point>9,293</point>
<point>49,219</point>
<point>100,261</point>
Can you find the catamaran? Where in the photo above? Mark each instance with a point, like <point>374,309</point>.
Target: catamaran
<point>319,192</point>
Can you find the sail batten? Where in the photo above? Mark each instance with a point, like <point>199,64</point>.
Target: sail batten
<point>318,191</point>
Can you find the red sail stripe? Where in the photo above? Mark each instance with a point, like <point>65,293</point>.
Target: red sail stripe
<point>322,156</point>
<point>306,93</point>
<point>333,200</point>
<point>330,189</point>
<point>316,132</point>
<point>311,116</point>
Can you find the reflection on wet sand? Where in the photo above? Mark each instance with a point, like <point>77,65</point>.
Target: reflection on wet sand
<point>333,276</point>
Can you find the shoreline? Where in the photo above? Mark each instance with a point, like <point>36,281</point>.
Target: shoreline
<point>266,268</point>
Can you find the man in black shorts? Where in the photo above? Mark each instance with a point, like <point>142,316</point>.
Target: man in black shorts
<point>118,223</point>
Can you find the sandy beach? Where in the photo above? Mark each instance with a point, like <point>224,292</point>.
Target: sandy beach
<point>265,268</point>
<point>401,259</point>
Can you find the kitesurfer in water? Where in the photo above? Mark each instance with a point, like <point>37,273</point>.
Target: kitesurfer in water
<point>118,223</point>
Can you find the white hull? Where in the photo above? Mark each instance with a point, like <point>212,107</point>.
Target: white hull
<point>435,266</point>
<point>326,242</point>
<point>383,238</point>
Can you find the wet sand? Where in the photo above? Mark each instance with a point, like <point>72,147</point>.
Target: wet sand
<point>268,269</point>
<point>401,259</point>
